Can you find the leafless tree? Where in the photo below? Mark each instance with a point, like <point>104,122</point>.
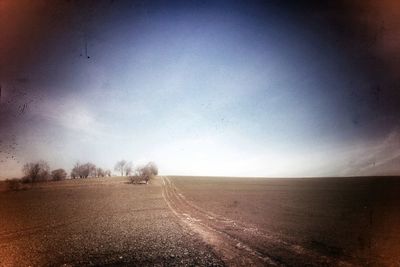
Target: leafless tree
<point>36,171</point>
<point>144,174</point>
<point>78,171</point>
<point>153,168</point>
<point>100,172</point>
<point>88,169</point>
<point>107,173</point>
<point>58,175</point>
<point>128,168</point>
<point>75,173</point>
<point>139,176</point>
<point>120,166</point>
<point>83,170</point>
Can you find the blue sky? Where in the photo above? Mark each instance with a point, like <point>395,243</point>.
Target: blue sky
<point>233,88</point>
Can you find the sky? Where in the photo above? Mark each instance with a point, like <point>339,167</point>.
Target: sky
<point>231,88</point>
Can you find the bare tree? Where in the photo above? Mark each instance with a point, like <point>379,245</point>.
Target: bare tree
<point>100,172</point>
<point>83,170</point>
<point>36,171</point>
<point>144,174</point>
<point>75,173</point>
<point>128,168</point>
<point>89,169</point>
<point>58,175</point>
<point>107,173</point>
<point>139,176</point>
<point>153,168</point>
<point>120,166</point>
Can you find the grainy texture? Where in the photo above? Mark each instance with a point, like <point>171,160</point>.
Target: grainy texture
<point>330,221</point>
<point>95,222</point>
<point>205,221</point>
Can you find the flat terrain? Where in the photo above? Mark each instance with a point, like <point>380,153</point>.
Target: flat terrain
<point>206,221</point>
<point>96,222</point>
<point>297,222</point>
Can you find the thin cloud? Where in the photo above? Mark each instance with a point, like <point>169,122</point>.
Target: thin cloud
<point>375,157</point>
<point>72,115</point>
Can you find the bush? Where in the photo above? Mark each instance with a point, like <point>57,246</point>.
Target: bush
<point>152,168</point>
<point>59,175</point>
<point>143,174</point>
<point>100,172</point>
<point>136,179</point>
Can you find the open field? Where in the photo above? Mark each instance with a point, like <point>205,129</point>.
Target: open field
<point>95,222</point>
<point>203,221</point>
<point>329,221</point>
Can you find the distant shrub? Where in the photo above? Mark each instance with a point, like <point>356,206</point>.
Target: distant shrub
<point>36,172</point>
<point>120,166</point>
<point>100,172</point>
<point>128,168</point>
<point>26,180</point>
<point>83,170</point>
<point>143,174</point>
<point>136,179</point>
<point>107,173</point>
<point>59,175</point>
<point>152,168</point>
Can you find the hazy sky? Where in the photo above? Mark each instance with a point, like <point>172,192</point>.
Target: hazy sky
<point>202,87</point>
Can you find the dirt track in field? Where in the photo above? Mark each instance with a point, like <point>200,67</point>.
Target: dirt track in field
<point>210,227</point>
<point>203,221</point>
<point>238,243</point>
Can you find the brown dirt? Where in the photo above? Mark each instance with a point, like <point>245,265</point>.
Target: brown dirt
<point>204,221</point>
<point>211,228</point>
<point>298,222</point>
<point>96,222</point>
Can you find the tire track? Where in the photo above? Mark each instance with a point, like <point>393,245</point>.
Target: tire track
<point>256,246</point>
<point>231,250</point>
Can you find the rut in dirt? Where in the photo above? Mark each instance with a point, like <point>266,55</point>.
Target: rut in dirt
<point>231,250</point>
<point>238,243</point>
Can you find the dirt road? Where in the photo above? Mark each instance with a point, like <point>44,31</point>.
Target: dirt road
<point>239,243</point>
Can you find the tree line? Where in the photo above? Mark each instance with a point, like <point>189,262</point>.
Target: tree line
<point>88,170</point>
<point>40,171</point>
